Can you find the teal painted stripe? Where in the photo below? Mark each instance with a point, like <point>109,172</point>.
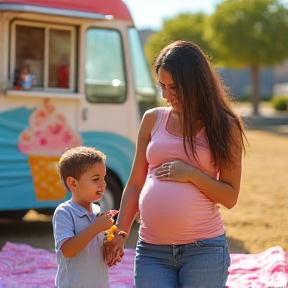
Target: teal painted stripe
<point>119,151</point>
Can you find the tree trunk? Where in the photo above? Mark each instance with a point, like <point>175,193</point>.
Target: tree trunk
<point>255,96</point>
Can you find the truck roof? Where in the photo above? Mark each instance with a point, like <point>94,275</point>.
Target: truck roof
<point>115,8</point>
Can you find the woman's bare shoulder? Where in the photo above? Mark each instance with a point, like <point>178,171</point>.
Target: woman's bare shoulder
<point>154,112</point>
<point>150,117</point>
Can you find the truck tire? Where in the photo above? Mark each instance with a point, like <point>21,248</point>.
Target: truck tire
<point>13,214</point>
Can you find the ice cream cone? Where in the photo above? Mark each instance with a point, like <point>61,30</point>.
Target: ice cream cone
<point>49,134</point>
<point>47,182</point>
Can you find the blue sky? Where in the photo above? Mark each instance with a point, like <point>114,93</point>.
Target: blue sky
<point>150,13</point>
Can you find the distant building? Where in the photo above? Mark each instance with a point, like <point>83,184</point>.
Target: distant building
<point>144,34</point>
<point>239,80</point>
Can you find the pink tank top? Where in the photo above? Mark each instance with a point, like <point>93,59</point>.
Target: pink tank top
<point>173,212</point>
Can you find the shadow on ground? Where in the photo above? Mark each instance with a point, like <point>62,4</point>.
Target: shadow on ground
<point>236,246</point>
<point>275,129</point>
<point>39,234</point>
<point>35,233</point>
<point>268,119</point>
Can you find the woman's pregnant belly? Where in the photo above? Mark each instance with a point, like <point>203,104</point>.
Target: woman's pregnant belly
<point>176,213</point>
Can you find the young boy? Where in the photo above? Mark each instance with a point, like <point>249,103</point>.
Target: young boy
<point>77,224</point>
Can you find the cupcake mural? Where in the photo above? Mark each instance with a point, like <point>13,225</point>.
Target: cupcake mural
<point>44,141</point>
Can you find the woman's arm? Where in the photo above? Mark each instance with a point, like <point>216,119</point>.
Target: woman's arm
<point>224,191</point>
<point>129,202</point>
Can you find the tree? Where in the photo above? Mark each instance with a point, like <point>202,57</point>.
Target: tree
<point>189,27</point>
<point>249,33</point>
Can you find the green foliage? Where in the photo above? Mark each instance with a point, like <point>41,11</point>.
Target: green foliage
<point>189,27</point>
<point>247,97</point>
<point>280,103</point>
<point>249,33</point>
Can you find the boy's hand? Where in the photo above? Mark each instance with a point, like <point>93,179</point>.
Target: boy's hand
<point>104,221</point>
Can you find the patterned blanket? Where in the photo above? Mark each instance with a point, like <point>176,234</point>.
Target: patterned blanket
<point>23,266</point>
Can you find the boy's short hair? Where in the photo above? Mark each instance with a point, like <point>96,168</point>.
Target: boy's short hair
<point>76,161</point>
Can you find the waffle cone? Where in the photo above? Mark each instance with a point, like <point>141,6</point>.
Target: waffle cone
<point>46,180</point>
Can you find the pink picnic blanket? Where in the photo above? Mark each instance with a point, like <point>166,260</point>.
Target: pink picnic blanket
<point>22,266</point>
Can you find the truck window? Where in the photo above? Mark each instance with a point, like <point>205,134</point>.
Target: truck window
<point>104,67</point>
<point>141,72</point>
<point>42,57</point>
<point>145,90</point>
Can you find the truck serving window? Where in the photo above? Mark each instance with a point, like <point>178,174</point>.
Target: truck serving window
<point>42,57</point>
<point>104,66</point>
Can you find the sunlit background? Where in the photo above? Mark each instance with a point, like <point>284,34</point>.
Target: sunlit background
<point>251,57</point>
<point>149,14</point>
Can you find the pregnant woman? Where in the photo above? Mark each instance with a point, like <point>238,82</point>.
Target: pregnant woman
<point>187,164</point>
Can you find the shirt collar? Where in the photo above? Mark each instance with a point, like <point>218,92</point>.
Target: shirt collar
<point>81,211</point>
<point>78,209</point>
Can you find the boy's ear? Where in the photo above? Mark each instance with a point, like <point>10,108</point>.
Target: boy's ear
<point>71,183</point>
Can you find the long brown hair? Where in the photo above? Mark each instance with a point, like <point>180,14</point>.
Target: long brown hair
<point>203,97</point>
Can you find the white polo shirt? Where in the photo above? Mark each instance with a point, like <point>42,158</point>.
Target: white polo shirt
<point>87,268</point>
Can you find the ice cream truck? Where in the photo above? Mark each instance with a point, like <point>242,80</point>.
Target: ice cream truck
<point>72,73</point>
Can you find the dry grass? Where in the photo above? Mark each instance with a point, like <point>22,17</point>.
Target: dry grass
<point>260,218</point>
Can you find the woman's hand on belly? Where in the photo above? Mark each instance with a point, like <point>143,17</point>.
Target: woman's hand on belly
<point>175,171</point>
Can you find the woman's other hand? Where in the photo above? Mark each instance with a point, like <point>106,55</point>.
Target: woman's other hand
<point>113,250</point>
<point>175,171</point>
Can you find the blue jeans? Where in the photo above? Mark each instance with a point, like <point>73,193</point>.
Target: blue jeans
<point>201,264</point>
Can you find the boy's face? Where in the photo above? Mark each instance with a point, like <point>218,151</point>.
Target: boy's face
<point>90,187</point>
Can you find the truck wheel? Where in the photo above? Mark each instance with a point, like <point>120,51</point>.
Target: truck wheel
<point>45,211</point>
<point>113,192</point>
<point>13,214</point>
